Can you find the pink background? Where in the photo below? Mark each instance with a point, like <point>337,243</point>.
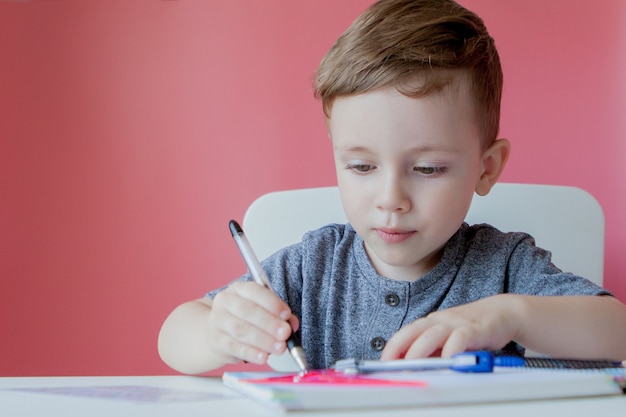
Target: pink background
<point>132,131</point>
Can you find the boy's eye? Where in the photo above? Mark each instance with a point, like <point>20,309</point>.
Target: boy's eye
<point>361,168</point>
<point>430,170</point>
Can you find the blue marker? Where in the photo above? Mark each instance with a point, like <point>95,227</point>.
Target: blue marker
<point>477,361</point>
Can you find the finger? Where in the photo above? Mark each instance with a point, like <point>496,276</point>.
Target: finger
<point>294,323</point>
<point>400,342</point>
<point>241,351</point>
<point>431,340</point>
<point>237,340</point>
<point>250,324</point>
<point>232,350</point>
<point>241,338</point>
<point>262,296</point>
<point>273,304</point>
<point>250,303</point>
<point>457,342</point>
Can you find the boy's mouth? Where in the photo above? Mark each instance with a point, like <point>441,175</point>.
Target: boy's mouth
<point>394,235</point>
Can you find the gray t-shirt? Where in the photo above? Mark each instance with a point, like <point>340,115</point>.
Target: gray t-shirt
<point>347,310</point>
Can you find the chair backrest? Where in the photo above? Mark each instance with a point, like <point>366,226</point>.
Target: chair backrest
<point>567,221</point>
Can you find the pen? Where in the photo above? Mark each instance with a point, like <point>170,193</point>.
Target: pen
<point>256,270</point>
<point>473,361</point>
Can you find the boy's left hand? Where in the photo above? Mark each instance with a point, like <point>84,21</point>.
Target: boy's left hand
<point>488,323</point>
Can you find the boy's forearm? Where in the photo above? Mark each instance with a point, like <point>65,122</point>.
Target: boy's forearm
<point>588,327</point>
<point>183,345</point>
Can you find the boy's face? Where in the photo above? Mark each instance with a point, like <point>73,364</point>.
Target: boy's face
<point>407,169</point>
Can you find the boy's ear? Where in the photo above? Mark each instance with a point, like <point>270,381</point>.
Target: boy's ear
<point>493,162</point>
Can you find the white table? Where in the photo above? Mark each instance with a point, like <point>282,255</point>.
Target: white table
<point>186,396</point>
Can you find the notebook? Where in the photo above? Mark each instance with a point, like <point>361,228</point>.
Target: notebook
<point>327,390</point>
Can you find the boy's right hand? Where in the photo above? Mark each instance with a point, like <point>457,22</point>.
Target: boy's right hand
<point>248,322</point>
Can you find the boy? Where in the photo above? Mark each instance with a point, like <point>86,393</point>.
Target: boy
<point>411,93</point>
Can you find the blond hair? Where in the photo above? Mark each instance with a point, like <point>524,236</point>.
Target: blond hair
<point>396,42</point>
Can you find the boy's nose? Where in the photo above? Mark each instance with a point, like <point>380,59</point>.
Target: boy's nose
<point>393,197</point>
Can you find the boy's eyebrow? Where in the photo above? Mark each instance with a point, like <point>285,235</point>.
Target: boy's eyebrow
<point>416,149</point>
<point>351,148</point>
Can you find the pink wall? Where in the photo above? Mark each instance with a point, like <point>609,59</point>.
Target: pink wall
<point>131,132</point>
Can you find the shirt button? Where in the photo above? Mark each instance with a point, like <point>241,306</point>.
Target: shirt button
<point>378,343</point>
<point>392,299</point>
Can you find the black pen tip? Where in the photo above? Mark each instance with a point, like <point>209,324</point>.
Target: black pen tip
<point>234,227</point>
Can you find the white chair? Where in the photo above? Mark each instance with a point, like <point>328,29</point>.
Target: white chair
<point>566,220</point>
